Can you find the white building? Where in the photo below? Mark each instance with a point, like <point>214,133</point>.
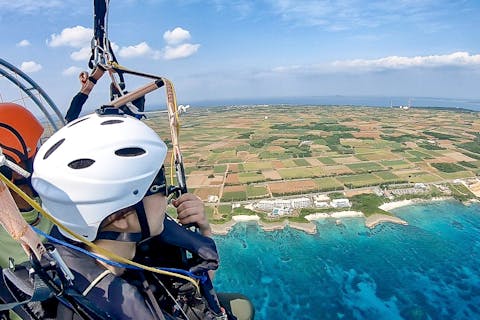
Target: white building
<point>378,191</point>
<point>303,202</point>
<point>212,198</point>
<point>340,203</point>
<point>283,203</point>
<point>265,205</point>
<point>322,204</point>
<point>418,185</point>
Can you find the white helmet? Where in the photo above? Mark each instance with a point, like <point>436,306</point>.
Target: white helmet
<point>94,167</point>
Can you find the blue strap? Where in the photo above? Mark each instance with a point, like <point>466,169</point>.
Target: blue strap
<point>201,277</point>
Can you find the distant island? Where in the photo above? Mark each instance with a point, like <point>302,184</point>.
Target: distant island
<point>283,164</point>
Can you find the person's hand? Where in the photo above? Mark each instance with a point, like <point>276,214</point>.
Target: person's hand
<point>190,209</point>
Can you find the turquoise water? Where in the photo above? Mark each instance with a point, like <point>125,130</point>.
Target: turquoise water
<point>427,270</point>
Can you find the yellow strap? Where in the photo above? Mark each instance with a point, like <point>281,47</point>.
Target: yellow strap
<point>108,254</point>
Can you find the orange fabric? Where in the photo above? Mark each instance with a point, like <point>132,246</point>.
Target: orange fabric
<point>27,126</point>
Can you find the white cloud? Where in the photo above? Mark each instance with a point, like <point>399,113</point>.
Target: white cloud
<point>141,49</point>
<point>30,66</point>
<point>176,36</point>
<point>181,51</point>
<point>72,71</point>
<point>76,37</point>
<point>82,54</point>
<point>456,59</point>
<point>23,43</point>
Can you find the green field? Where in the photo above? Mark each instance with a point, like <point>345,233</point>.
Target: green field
<point>332,147</point>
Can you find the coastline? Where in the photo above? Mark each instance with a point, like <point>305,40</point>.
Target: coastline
<point>311,228</point>
<point>402,203</point>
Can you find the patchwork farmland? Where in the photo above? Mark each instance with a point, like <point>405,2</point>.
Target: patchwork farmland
<point>253,152</point>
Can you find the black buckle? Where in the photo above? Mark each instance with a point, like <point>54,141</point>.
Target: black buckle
<point>109,111</point>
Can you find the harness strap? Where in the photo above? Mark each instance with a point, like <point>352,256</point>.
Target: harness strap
<point>38,291</point>
<point>153,302</point>
<point>18,284</point>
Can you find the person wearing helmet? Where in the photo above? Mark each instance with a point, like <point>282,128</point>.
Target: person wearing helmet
<point>102,177</point>
<point>20,134</point>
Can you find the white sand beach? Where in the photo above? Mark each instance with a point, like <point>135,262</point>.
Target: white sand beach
<point>396,204</point>
<point>317,216</point>
<point>347,214</point>
<point>242,218</point>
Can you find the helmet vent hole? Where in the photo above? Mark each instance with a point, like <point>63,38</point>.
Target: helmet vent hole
<point>76,122</point>
<point>111,122</point>
<point>53,148</point>
<point>81,163</point>
<point>130,152</point>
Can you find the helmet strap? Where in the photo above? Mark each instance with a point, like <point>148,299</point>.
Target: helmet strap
<point>142,219</point>
<point>126,236</point>
<point>120,236</point>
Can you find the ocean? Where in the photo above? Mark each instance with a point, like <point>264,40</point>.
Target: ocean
<point>427,270</point>
<point>373,101</point>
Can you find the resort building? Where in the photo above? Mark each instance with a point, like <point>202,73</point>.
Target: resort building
<point>340,203</point>
<point>283,204</point>
<point>322,204</point>
<point>301,202</point>
<point>414,190</point>
<point>280,212</point>
<point>422,186</point>
<point>265,205</point>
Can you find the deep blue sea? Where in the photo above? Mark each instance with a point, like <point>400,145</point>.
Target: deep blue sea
<point>429,269</point>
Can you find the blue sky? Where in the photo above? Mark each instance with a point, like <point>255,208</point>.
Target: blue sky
<point>219,49</point>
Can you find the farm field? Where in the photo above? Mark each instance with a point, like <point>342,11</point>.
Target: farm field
<point>249,152</point>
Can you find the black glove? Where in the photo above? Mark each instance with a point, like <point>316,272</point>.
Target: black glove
<point>202,247</point>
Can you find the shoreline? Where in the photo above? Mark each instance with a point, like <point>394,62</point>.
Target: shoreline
<point>310,227</point>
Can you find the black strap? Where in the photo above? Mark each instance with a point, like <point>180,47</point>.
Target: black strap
<point>19,283</point>
<point>159,184</point>
<point>36,291</point>
<point>142,219</point>
<point>120,236</point>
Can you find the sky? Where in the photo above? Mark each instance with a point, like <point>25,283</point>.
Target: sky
<point>218,50</point>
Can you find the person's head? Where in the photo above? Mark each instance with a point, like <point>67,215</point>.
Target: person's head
<point>20,134</point>
<point>94,170</point>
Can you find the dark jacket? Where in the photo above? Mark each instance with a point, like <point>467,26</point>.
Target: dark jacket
<point>113,295</point>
